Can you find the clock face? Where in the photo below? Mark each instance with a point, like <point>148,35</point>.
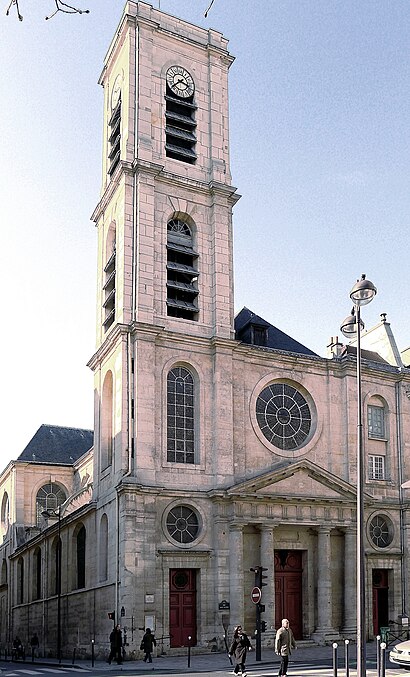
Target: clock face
<point>116,92</point>
<point>180,82</point>
<point>284,416</point>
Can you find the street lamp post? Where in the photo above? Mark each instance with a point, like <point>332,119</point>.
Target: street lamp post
<point>57,513</point>
<point>362,293</point>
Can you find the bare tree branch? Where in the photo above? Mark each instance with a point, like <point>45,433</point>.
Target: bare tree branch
<point>16,3</point>
<point>69,10</point>
<point>206,13</point>
<point>60,7</point>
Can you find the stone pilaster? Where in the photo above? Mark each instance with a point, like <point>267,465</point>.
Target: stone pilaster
<point>349,621</point>
<point>324,631</point>
<point>236,574</point>
<point>268,561</point>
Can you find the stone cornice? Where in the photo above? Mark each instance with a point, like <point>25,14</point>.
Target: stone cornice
<point>115,335</point>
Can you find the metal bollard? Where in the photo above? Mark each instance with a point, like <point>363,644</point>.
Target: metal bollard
<point>92,653</point>
<point>347,668</point>
<point>382,659</point>
<point>378,638</point>
<point>334,645</point>
<point>73,661</point>
<point>189,651</point>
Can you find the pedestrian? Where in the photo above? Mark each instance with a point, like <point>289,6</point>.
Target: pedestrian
<point>147,644</point>
<point>18,648</point>
<point>116,645</point>
<point>34,643</point>
<point>239,649</point>
<point>284,643</point>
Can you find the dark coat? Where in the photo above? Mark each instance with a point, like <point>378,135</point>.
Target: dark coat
<point>116,639</point>
<point>239,647</point>
<point>148,642</point>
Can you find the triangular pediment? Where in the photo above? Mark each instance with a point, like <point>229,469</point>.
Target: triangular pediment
<point>298,479</point>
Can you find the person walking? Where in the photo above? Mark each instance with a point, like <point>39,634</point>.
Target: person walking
<point>239,649</point>
<point>34,643</point>
<point>147,644</point>
<point>116,645</point>
<point>284,643</point>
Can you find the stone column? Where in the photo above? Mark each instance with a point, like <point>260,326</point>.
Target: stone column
<point>349,623</point>
<point>268,561</point>
<point>236,574</point>
<point>324,630</point>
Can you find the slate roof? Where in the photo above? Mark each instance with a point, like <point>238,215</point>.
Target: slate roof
<point>275,338</point>
<point>56,444</point>
<point>369,355</point>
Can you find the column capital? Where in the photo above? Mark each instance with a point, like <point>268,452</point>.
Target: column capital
<point>236,526</point>
<point>267,527</point>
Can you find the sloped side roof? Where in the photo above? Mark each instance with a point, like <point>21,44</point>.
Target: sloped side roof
<point>276,338</point>
<point>369,355</point>
<point>56,444</point>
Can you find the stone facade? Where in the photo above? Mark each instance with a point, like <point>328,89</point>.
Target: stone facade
<point>185,491</point>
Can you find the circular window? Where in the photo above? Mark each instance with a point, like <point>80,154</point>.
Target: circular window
<point>180,579</point>
<point>284,416</point>
<point>381,531</point>
<point>182,524</point>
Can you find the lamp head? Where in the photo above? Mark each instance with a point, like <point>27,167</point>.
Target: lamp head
<point>349,325</point>
<point>363,292</point>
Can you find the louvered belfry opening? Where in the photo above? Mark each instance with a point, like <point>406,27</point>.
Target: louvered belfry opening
<point>109,290</point>
<point>114,138</point>
<point>182,272</point>
<point>180,128</point>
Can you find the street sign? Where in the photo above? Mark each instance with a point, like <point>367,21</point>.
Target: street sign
<point>256,595</point>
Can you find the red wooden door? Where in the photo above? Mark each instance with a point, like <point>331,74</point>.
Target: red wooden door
<point>288,589</point>
<point>182,607</point>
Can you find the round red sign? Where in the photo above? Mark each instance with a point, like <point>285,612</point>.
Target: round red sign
<point>256,595</point>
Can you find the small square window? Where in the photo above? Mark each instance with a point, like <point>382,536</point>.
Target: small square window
<point>377,468</point>
<point>375,420</point>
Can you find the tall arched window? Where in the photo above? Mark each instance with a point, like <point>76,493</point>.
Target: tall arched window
<point>20,580</point>
<point>106,421</point>
<point>180,416</point>
<point>3,579</point>
<point>103,558</point>
<point>80,553</point>
<point>50,496</point>
<point>37,574</point>
<point>55,578</point>
<point>5,513</point>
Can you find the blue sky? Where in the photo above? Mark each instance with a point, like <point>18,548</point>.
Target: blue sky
<point>319,110</point>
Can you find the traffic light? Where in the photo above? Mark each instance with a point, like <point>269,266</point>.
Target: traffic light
<point>111,615</point>
<point>261,608</point>
<point>259,576</point>
<point>263,625</point>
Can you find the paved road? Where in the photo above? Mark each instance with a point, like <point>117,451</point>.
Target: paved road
<point>310,661</point>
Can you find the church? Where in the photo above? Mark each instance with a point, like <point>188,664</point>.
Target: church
<point>220,444</point>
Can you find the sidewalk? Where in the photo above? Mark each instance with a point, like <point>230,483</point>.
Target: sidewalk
<point>214,662</point>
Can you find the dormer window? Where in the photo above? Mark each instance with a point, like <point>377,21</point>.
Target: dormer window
<point>259,335</point>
